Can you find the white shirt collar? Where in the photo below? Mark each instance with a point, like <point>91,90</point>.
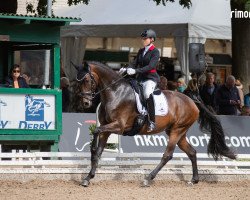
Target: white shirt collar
<point>147,47</point>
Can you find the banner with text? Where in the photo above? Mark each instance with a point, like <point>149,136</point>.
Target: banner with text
<point>20,111</point>
<point>76,136</point>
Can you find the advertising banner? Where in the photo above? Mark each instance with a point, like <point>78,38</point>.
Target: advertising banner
<point>76,136</point>
<point>20,111</point>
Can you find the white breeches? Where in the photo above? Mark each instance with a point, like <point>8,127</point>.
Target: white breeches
<point>148,88</point>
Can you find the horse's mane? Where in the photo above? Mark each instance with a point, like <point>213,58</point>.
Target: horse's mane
<point>105,69</point>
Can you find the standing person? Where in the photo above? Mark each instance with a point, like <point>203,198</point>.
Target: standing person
<point>144,66</point>
<point>65,94</point>
<point>192,90</point>
<point>208,92</point>
<point>247,98</point>
<point>240,89</point>
<point>15,80</point>
<point>228,98</point>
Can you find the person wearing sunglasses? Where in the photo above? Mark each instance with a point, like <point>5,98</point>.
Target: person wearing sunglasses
<point>144,66</point>
<point>15,80</point>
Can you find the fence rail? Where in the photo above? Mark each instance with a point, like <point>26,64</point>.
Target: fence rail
<point>135,160</point>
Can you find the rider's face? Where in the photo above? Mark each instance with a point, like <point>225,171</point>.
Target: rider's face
<point>146,41</point>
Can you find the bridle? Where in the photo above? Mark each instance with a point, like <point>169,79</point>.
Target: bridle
<point>92,92</point>
<point>93,83</point>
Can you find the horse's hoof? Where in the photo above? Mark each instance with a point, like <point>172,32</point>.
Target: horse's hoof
<point>85,183</point>
<point>145,183</point>
<point>190,183</point>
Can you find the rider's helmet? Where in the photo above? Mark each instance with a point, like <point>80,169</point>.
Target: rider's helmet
<point>149,33</point>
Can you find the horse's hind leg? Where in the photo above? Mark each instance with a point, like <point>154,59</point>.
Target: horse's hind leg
<point>174,137</point>
<point>191,153</point>
<point>98,144</point>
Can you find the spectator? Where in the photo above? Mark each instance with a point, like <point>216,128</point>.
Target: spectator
<point>27,77</point>
<point>15,80</point>
<point>192,90</point>
<point>208,92</point>
<point>240,89</point>
<point>245,111</point>
<point>247,98</point>
<point>228,98</point>
<point>163,85</point>
<point>65,94</point>
<point>172,86</point>
<point>181,85</point>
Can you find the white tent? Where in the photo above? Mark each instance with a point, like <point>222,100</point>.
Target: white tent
<point>119,18</point>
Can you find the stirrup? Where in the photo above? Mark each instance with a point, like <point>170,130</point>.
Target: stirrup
<point>151,126</point>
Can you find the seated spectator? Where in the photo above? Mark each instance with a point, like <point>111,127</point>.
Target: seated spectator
<point>228,98</point>
<point>15,80</point>
<point>65,94</point>
<point>247,98</point>
<point>27,77</point>
<point>181,85</point>
<point>208,92</point>
<point>163,85</point>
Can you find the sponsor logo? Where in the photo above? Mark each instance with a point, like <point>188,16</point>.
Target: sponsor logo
<point>34,108</point>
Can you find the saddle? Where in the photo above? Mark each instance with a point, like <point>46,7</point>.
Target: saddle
<point>137,87</point>
<point>142,108</point>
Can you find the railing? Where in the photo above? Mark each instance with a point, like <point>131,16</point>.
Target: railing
<point>119,160</point>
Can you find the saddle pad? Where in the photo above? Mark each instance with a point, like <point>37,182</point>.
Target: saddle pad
<point>160,101</point>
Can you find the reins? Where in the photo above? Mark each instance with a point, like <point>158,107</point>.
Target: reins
<point>93,94</point>
<point>113,82</point>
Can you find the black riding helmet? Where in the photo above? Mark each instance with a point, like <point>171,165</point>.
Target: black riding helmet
<point>149,33</point>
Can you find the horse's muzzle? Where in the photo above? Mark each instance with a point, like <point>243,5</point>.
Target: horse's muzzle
<point>87,103</point>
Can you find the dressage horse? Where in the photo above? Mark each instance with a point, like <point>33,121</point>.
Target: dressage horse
<point>118,112</point>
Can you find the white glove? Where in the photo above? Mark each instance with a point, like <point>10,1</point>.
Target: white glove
<point>122,70</point>
<point>131,71</point>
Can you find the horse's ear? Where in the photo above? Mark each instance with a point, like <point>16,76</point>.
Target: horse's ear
<point>86,66</point>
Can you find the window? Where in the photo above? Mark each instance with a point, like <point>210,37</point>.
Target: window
<point>33,65</point>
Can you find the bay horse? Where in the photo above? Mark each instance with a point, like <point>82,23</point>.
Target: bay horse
<point>118,112</point>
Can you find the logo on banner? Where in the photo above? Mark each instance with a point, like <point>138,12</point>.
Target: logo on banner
<point>34,108</point>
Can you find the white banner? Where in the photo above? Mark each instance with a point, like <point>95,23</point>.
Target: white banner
<point>20,111</point>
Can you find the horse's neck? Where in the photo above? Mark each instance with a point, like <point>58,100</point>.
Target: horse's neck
<point>105,77</point>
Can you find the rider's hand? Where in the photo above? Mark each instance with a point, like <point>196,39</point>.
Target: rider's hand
<point>122,70</point>
<point>131,71</point>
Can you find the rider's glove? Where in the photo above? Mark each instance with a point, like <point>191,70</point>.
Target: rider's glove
<point>131,71</point>
<point>122,70</point>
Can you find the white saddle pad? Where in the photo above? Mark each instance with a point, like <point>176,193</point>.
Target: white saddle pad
<point>161,105</point>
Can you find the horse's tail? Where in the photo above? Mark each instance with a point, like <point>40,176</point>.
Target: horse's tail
<point>209,123</point>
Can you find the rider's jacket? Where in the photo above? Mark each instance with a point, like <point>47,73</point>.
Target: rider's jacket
<point>145,66</point>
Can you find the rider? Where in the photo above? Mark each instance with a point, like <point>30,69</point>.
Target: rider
<point>144,66</point>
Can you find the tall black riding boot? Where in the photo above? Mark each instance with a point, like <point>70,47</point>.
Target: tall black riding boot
<point>151,113</point>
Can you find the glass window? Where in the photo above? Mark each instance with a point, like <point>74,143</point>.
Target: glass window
<point>36,66</point>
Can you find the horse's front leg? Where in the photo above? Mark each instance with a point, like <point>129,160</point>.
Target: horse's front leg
<point>102,132</point>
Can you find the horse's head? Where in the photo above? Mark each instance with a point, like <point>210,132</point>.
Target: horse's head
<point>87,84</point>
